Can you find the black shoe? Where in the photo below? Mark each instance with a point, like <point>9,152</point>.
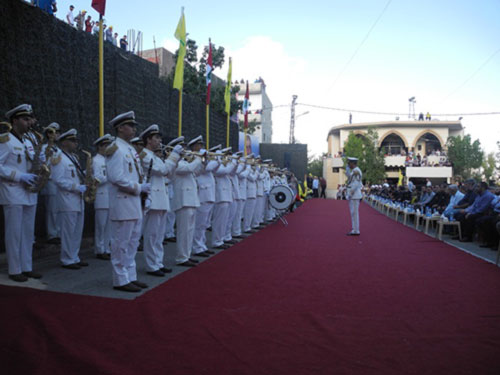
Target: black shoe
<point>210,252</point>
<point>187,263</point>
<point>483,246</point>
<point>194,260</point>
<point>83,264</point>
<point>466,239</point>
<point>54,241</point>
<point>158,273</point>
<point>103,256</point>
<point>72,266</point>
<point>140,284</point>
<point>32,275</point>
<point>455,238</point>
<point>172,239</point>
<point>165,270</point>
<point>128,288</point>
<point>18,277</point>
<point>139,248</point>
<point>203,255</point>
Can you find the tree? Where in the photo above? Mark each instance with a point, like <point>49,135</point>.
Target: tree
<point>371,159</point>
<point>489,166</point>
<point>315,165</point>
<point>464,155</point>
<point>252,126</point>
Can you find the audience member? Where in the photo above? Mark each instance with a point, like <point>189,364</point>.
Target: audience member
<point>322,182</point>
<point>455,197</point>
<point>69,17</point>
<point>477,209</point>
<point>108,36</point>
<point>115,40</point>
<point>124,43</point>
<point>315,187</point>
<point>89,24</point>
<point>80,19</point>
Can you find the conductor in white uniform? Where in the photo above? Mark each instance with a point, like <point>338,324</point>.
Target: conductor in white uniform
<point>354,194</point>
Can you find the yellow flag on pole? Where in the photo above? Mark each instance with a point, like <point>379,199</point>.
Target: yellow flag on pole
<point>400,179</point>
<point>227,94</point>
<point>180,35</point>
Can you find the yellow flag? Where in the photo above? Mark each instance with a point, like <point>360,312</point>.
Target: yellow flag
<point>180,35</point>
<point>400,180</point>
<point>227,94</point>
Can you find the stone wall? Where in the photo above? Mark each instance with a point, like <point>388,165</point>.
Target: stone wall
<point>293,157</point>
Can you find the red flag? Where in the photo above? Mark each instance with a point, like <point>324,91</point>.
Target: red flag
<point>99,5</point>
<point>209,71</point>
<point>246,105</point>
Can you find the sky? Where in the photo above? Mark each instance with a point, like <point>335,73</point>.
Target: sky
<point>369,55</point>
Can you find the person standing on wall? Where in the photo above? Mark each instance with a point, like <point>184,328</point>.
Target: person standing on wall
<point>354,195</point>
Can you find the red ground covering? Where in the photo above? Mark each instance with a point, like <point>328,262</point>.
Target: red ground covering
<point>304,299</point>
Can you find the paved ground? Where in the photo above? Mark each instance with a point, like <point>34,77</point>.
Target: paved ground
<point>94,280</point>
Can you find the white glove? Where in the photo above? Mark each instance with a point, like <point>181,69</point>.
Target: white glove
<point>203,151</point>
<point>82,188</point>
<point>147,204</point>
<point>145,187</point>
<point>28,178</point>
<point>178,149</point>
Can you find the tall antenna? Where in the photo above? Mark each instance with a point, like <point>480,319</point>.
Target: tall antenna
<point>411,109</point>
<point>292,120</point>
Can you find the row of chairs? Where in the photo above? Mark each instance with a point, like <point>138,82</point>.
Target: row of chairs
<point>421,222</point>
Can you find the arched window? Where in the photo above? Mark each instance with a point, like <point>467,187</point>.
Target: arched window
<point>393,145</point>
<point>427,144</point>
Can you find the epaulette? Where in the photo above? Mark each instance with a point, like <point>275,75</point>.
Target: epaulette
<point>4,137</point>
<point>142,155</point>
<point>111,149</point>
<point>56,159</point>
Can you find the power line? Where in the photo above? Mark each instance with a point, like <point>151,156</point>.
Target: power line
<point>360,45</point>
<point>472,76</point>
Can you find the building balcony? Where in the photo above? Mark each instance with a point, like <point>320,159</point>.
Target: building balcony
<point>429,172</point>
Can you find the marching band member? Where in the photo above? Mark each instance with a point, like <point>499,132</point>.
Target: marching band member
<point>125,212</point>
<point>251,197</point>
<point>185,203</point>
<point>155,216</point>
<point>354,194</point>
<point>259,197</point>
<point>19,205</point>
<point>206,194</point>
<point>51,132</point>
<point>266,209</point>
<point>138,145</point>
<point>170,230</point>
<point>102,228</point>
<point>242,183</point>
<point>69,178</point>
<point>233,226</point>
<point>223,199</point>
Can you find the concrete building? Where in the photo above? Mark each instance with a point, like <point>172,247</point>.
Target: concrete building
<point>399,140</point>
<point>260,109</point>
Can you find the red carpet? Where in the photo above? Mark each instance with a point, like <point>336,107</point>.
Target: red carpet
<point>304,299</point>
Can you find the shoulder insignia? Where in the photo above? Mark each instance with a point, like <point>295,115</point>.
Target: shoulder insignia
<point>56,159</point>
<point>4,137</point>
<point>111,149</point>
<point>142,155</point>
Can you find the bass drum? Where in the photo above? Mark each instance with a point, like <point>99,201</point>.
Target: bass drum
<point>281,197</point>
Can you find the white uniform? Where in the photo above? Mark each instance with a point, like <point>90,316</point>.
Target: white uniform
<point>259,201</point>
<point>102,228</point>
<point>242,184</point>
<point>250,202</point>
<point>233,206</point>
<point>19,205</point>
<point>185,203</point>
<point>354,195</point>
<point>170,231</point>
<point>125,210</point>
<point>68,177</point>
<point>268,210</point>
<point>155,218</point>
<point>49,192</point>
<point>206,194</point>
<point>223,200</point>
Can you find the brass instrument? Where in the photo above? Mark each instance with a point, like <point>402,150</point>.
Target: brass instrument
<point>39,168</point>
<point>90,181</point>
<point>51,133</point>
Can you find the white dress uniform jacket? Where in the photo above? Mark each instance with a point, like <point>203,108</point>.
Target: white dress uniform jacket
<point>242,180</point>
<point>224,190</point>
<point>160,169</point>
<point>354,183</point>
<point>206,182</point>
<point>123,173</point>
<point>185,186</point>
<point>66,177</point>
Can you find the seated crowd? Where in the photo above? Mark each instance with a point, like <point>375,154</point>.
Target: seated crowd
<point>474,204</point>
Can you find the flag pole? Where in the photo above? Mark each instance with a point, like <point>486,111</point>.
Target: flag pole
<point>180,112</point>
<point>208,126</point>
<point>101,78</point>
<point>227,131</point>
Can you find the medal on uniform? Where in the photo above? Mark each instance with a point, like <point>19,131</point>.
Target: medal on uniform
<point>130,167</point>
<point>19,159</point>
<point>72,173</point>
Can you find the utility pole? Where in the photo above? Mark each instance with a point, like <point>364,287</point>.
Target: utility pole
<point>411,109</point>
<point>292,121</point>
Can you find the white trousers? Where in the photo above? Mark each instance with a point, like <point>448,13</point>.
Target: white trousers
<point>233,207</point>
<point>354,208</point>
<point>71,236</point>
<point>169,230</point>
<point>219,221</point>
<point>270,212</point>
<point>125,237</point>
<point>102,231</point>
<point>236,225</point>
<point>257,211</point>
<point>153,235</point>
<point>201,225</point>
<point>248,214</point>
<point>51,220</point>
<point>186,220</point>
<point>19,233</point>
